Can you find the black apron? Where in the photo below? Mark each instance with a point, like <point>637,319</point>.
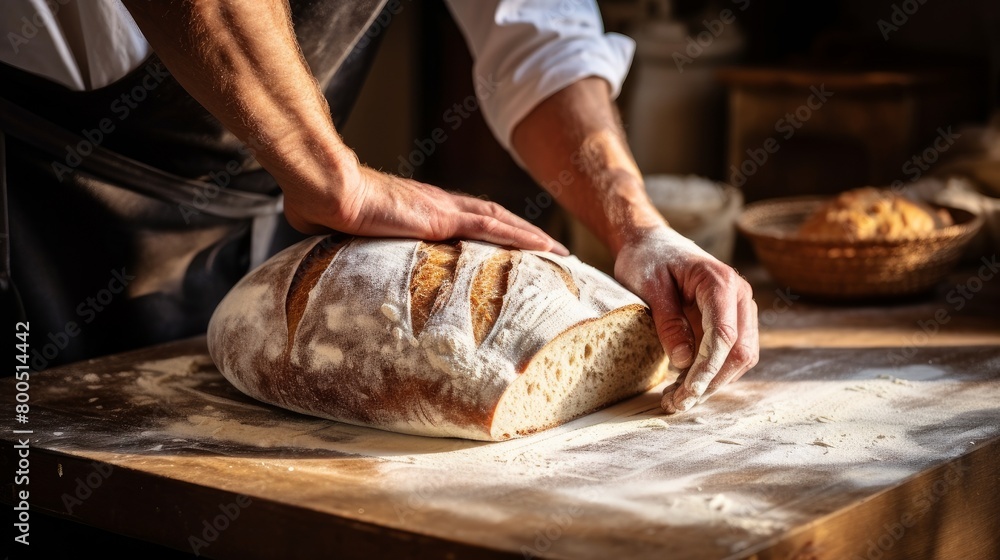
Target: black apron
<point>132,210</point>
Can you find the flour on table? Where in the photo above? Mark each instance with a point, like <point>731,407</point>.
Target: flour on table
<point>761,456</point>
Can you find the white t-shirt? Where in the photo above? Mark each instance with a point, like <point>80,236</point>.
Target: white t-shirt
<point>524,50</point>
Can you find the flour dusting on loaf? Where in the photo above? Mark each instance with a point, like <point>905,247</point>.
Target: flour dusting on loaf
<point>466,339</point>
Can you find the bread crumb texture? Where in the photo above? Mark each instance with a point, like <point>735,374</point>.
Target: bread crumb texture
<point>454,340</point>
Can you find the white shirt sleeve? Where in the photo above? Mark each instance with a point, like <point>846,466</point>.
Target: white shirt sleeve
<point>527,50</point>
<point>81,45</point>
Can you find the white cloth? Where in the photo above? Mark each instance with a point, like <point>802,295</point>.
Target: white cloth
<point>524,50</point>
<point>527,50</point>
<point>81,44</point>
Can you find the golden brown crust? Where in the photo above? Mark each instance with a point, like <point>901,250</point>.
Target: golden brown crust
<point>435,268</point>
<point>332,329</point>
<point>567,278</point>
<point>872,214</point>
<point>488,290</point>
<point>310,270</point>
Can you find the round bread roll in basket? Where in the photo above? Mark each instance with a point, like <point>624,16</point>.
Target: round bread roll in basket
<point>851,268</point>
<point>462,339</point>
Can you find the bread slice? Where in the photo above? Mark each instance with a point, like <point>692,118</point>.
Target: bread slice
<point>462,339</point>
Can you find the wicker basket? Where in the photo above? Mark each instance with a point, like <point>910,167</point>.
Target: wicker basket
<point>850,270</point>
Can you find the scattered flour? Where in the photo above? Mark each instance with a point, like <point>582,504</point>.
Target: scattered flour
<point>754,462</point>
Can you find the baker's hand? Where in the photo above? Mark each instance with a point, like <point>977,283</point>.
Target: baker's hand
<point>697,302</point>
<point>242,61</point>
<point>372,203</point>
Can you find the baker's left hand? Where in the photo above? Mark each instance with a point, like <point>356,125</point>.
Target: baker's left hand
<point>697,302</point>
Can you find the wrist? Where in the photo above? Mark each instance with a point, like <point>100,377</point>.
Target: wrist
<point>317,164</point>
<point>316,178</point>
<point>630,214</point>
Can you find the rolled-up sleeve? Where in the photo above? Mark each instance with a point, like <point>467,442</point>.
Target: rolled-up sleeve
<point>527,50</point>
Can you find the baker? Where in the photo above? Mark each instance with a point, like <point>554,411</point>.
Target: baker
<point>150,140</point>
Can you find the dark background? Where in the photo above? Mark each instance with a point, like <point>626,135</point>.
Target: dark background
<point>424,68</point>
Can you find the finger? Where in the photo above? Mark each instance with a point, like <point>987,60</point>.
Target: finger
<point>719,320</point>
<point>693,316</point>
<point>494,210</point>
<point>487,208</point>
<point>667,399</point>
<point>672,327</point>
<point>492,230</point>
<point>745,352</point>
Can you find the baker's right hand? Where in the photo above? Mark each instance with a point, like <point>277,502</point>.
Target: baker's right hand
<point>376,204</point>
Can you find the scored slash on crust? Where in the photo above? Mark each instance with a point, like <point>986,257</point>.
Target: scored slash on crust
<point>462,339</point>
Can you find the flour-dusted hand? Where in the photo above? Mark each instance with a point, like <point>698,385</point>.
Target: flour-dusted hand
<point>704,311</point>
<point>698,302</point>
<point>366,202</point>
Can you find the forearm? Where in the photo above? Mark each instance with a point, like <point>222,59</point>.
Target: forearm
<point>573,144</point>
<point>240,59</point>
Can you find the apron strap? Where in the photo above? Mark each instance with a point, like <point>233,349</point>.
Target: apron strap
<point>335,38</point>
<point>131,174</point>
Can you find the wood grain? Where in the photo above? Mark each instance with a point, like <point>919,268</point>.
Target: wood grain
<point>788,463</point>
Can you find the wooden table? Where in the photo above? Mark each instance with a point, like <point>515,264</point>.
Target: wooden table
<point>855,437</point>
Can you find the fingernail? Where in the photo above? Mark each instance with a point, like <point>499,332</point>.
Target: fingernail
<point>681,355</point>
<point>687,403</point>
<point>561,249</point>
<point>667,404</point>
<point>699,387</point>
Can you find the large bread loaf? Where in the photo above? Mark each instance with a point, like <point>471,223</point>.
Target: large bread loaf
<point>467,339</point>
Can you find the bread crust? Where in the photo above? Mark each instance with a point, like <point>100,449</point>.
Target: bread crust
<point>872,214</point>
<point>356,357</point>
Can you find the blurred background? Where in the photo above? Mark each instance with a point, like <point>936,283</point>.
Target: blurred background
<point>726,91</point>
